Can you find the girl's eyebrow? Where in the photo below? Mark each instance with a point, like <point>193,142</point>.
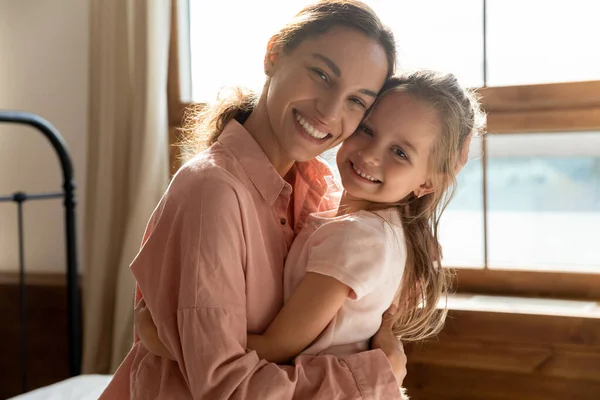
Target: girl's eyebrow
<point>409,145</point>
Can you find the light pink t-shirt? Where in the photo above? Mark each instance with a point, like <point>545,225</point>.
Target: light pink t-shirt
<point>366,251</point>
<point>211,271</point>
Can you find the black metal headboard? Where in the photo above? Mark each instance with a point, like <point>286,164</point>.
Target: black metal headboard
<point>68,194</point>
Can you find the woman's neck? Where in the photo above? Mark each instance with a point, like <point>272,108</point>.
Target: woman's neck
<point>259,126</point>
<point>350,204</point>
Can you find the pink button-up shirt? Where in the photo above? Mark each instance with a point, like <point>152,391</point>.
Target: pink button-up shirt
<point>211,270</point>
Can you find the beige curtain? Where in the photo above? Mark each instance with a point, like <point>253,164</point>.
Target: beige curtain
<point>128,164</point>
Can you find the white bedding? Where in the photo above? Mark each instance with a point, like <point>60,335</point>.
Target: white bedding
<point>83,387</point>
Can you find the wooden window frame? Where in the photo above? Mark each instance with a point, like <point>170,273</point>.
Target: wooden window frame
<point>546,108</point>
<point>556,107</point>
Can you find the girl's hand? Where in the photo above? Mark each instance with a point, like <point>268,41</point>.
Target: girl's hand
<point>385,340</point>
<point>148,332</point>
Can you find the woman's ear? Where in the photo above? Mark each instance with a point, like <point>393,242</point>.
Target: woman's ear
<point>271,56</point>
<point>424,189</point>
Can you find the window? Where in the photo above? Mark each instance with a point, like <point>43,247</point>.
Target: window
<point>529,199</point>
<point>461,227</point>
<point>544,201</point>
<point>538,41</point>
<point>449,44</point>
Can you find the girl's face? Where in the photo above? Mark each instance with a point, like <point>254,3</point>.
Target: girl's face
<point>387,157</point>
<point>318,93</point>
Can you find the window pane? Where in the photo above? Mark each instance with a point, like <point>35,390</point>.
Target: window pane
<point>329,156</point>
<point>541,41</point>
<point>437,34</point>
<point>228,52</point>
<point>228,41</point>
<point>461,226</point>
<point>544,201</point>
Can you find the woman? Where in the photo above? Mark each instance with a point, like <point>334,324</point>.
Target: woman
<point>211,265</point>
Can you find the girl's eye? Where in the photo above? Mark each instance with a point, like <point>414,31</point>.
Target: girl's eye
<point>398,152</point>
<point>359,102</point>
<point>320,74</point>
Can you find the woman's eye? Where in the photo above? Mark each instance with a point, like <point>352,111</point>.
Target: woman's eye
<point>365,129</point>
<point>359,102</point>
<point>320,74</point>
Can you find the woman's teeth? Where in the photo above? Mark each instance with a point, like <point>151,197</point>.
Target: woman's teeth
<point>311,130</point>
<point>359,172</point>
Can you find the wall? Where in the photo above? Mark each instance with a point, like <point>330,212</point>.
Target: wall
<point>44,70</point>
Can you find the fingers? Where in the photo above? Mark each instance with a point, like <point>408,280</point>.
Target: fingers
<point>140,305</point>
<point>388,317</point>
<point>391,310</point>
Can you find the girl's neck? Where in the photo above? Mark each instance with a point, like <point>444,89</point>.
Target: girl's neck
<point>259,126</point>
<point>350,204</point>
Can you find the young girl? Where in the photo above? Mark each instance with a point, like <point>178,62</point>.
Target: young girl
<point>379,249</point>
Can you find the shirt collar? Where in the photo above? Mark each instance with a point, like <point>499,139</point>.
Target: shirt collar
<point>253,161</point>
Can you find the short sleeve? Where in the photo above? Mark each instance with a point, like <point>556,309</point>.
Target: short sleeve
<point>355,251</point>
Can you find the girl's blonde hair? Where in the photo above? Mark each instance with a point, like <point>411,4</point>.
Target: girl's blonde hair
<point>202,124</point>
<point>425,282</point>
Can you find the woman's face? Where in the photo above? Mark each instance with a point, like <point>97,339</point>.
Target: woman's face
<point>318,93</point>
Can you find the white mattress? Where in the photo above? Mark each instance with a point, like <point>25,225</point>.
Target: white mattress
<point>83,387</point>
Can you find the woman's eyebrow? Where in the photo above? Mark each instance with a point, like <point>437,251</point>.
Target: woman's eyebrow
<point>332,66</point>
<point>337,72</point>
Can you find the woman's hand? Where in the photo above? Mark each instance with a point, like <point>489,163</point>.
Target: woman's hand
<point>385,340</point>
<point>148,332</point>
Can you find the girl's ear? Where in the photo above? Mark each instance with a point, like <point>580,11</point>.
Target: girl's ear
<point>425,189</point>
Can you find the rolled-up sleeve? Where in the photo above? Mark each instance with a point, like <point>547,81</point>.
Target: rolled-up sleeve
<point>191,272</point>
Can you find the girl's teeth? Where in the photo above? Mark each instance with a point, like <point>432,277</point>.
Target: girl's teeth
<point>364,175</point>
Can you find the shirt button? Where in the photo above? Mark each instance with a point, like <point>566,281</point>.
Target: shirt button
<point>283,221</point>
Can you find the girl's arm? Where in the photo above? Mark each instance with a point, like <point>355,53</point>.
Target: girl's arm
<point>191,271</point>
<point>304,316</point>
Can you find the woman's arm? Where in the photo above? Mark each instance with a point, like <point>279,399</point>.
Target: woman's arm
<point>193,264</point>
<point>304,316</point>
<point>384,340</point>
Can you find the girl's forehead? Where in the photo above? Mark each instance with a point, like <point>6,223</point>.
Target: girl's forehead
<point>396,101</point>
<point>400,112</point>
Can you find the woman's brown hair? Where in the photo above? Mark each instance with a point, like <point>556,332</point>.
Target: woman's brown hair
<point>203,124</point>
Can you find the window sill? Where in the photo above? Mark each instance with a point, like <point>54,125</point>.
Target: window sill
<point>524,305</point>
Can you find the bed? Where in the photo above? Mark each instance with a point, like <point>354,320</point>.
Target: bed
<point>82,387</point>
<point>77,387</point>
